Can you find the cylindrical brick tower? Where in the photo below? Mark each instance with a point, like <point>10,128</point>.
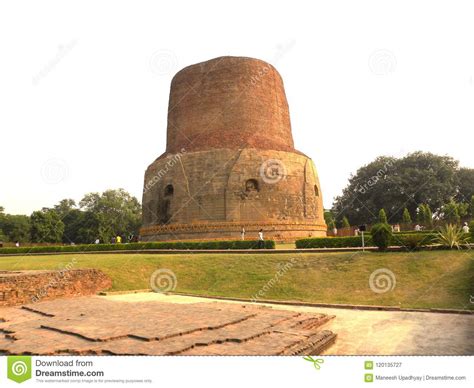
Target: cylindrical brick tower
<point>230,163</point>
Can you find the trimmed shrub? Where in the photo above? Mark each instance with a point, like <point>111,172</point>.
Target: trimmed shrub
<point>413,241</point>
<point>191,245</point>
<point>399,239</point>
<point>381,235</point>
<point>406,217</point>
<point>333,242</point>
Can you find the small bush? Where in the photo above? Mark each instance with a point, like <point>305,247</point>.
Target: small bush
<point>452,236</point>
<point>413,241</point>
<point>381,235</point>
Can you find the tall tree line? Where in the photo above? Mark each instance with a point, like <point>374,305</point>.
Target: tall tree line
<point>97,216</point>
<point>407,188</point>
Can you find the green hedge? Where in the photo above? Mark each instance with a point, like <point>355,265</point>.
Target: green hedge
<point>401,239</point>
<point>333,242</point>
<point>237,244</point>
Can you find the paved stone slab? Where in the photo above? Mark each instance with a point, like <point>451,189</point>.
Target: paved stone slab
<point>364,332</point>
<point>97,325</point>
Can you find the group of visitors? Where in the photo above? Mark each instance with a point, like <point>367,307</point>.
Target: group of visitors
<point>261,241</point>
<point>118,239</point>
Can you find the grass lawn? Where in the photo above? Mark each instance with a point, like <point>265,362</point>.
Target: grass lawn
<point>285,246</point>
<point>443,279</point>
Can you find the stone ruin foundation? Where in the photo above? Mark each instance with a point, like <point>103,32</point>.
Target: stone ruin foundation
<point>24,287</point>
<point>95,325</point>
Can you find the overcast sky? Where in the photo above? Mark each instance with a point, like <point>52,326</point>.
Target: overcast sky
<point>84,86</point>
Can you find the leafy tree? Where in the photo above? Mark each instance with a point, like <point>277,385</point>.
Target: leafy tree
<point>428,216</point>
<point>74,222</point>
<point>406,217</point>
<point>329,219</point>
<point>15,227</point>
<point>471,207</point>
<point>425,215</point>
<point>396,183</point>
<point>114,212</point>
<point>463,209</point>
<point>46,226</point>
<point>345,222</point>
<point>466,184</point>
<point>383,216</point>
<point>64,207</point>
<point>451,212</point>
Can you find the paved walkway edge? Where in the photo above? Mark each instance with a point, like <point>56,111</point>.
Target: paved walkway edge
<point>303,304</point>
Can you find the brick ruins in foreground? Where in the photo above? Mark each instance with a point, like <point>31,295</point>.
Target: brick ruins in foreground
<point>94,325</point>
<point>20,287</point>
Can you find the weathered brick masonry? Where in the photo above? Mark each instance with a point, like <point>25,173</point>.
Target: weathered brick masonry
<point>230,161</point>
<point>24,287</point>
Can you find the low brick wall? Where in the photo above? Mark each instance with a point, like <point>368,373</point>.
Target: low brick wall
<point>24,287</point>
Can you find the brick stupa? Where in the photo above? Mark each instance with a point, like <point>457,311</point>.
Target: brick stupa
<point>230,162</point>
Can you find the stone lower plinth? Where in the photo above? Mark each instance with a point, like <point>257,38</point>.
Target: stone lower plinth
<point>232,231</point>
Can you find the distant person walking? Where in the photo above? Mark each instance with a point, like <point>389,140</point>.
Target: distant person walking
<point>465,228</point>
<point>17,244</point>
<point>242,234</point>
<point>261,243</point>
<point>119,239</point>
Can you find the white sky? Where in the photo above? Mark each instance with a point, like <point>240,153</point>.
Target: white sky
<point>84,85</point>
